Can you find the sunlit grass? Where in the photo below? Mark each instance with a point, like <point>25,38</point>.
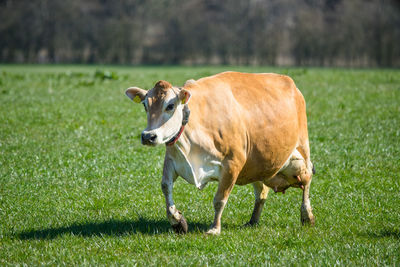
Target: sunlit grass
<point>76,186</point>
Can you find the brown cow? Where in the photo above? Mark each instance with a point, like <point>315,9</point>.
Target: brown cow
<point>243,128</point>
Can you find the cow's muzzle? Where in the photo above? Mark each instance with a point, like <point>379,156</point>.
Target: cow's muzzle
<point>149,138</point>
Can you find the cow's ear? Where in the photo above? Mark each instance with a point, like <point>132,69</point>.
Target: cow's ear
<point>136,94</point>
<point>184,96</point>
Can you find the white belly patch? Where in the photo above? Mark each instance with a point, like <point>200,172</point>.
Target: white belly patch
<point>197,169</point>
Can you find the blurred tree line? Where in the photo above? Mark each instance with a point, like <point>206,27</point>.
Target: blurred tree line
<point>273,32</point>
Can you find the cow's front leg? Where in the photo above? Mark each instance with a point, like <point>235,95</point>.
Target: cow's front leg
<point>175,217</point>
<point>225,187</point>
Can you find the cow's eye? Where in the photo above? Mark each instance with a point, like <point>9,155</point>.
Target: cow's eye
<point>170,107</point>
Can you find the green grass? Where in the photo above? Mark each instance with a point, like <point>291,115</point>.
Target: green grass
<point>76,186</point>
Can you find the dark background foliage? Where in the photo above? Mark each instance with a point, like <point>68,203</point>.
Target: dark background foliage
<point>254,32</point>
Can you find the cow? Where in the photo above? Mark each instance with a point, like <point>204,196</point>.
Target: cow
<point>233,128</point>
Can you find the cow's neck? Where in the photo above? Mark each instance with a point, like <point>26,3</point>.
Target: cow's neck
<point>176,137</point>
<point>185,119</point>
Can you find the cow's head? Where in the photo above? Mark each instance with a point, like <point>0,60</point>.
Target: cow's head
<point>164,106</point>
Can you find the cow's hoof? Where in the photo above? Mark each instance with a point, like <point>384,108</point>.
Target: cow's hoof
<point>181,227</point>
<point>213,231</point>
<point>308,220</point>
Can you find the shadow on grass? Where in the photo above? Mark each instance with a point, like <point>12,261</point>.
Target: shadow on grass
<point>384,233</point>
<point>110,227</point>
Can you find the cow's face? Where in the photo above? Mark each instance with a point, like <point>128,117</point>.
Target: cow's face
<point>163,105</point>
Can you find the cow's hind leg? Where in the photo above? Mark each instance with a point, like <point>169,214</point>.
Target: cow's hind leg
<point>301,169</point>
<point>260,194</point>
<point>306,211</point>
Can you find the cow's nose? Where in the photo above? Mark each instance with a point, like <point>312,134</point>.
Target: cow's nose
<point>149,138</point>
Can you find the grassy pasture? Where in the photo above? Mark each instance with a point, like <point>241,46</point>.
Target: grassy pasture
<point>76,186</point>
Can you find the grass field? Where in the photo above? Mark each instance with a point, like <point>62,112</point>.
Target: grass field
<point>76,186</point>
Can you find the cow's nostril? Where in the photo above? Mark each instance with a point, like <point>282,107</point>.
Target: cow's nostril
<point>153,137</point>
<point>148,138</point>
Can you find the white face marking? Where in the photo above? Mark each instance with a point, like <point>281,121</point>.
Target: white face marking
<point>172,125</point>
<point>169,122</point>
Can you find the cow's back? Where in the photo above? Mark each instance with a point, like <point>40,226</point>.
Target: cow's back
<point>258,115</point>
